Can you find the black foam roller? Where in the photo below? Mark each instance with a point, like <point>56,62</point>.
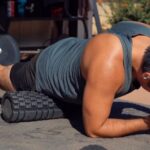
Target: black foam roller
<point>29,106</point>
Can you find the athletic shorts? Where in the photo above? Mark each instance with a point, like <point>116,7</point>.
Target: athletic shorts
<point>22,75</point>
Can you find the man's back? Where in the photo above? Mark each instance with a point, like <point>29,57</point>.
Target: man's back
<point>58,70</point>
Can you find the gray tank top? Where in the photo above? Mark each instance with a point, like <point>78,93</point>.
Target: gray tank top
<point>58,70</point>
<point>58,66</point>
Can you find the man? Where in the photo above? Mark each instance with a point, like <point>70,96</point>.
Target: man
<point>92,72</point>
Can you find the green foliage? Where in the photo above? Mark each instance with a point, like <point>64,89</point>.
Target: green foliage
<point>136,10</point>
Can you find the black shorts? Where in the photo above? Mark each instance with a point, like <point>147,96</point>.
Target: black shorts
<point>22,75</point>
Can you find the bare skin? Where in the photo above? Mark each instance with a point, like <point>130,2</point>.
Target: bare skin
<point>5,83</point>
<point>102,67</point>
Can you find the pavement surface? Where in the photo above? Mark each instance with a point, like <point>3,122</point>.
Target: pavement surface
<point>68,133</point>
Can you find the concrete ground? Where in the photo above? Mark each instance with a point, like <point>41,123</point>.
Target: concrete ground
<point>68,134</point>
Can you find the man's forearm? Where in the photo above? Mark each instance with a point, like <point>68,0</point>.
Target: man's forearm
<point>120,127</point>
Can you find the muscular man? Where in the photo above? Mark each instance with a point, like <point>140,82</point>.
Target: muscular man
<point>92,72</point>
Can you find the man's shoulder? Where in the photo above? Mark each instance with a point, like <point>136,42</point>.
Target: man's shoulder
<point>102,50</point>
<point>106,44</point>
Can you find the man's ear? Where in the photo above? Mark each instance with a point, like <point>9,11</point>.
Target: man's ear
<point>146,75</point>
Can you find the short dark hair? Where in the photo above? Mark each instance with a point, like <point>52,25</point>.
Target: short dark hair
<point>146,61</point>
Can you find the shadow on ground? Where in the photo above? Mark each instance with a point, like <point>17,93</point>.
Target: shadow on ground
<point>68,133</point>
<point>93,147</point>
<point>120,110</point>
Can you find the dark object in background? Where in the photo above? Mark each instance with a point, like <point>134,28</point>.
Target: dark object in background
<point>20,7</point>
<point>4,20</point>
<point>40,8</point>
<point>9,51</point>
<point>53,8</point>
<point>11,8</point>
<point>29,8</point>
<point>34,8</point>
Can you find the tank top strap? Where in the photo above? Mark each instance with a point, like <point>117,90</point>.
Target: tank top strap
<point>130,28</point>
<point>127,62</point>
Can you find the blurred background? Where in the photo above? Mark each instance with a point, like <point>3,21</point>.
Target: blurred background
<point>36,24</point>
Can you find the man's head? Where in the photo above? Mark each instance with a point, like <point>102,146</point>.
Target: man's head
<point>145,81</point>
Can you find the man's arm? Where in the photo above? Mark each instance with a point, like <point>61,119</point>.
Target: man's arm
<point>96,110</point>
<point>104,77</point>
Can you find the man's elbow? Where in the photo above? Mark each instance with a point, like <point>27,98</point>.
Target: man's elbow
<point>93,133</point>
